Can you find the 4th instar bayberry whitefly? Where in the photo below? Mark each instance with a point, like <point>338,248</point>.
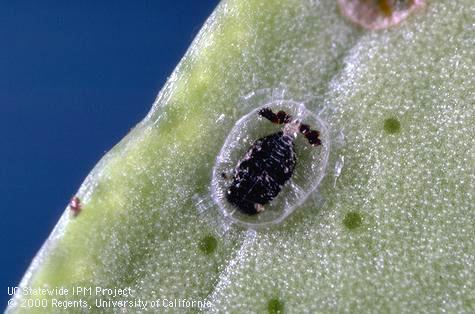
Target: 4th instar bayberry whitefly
<point>264,170</point>
<point>268,164</point>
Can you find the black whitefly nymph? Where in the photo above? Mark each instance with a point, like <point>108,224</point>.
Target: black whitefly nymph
<point>268,164</point>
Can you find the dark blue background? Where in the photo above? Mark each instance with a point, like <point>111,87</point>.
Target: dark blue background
<point>74,78</point>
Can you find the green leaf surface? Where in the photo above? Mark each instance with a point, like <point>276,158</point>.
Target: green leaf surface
<point>394,232</point>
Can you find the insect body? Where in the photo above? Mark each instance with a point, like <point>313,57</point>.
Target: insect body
<point>268,164</point>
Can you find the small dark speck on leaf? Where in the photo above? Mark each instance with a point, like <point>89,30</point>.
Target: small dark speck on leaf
<point>392,125</point>
<point>208,244</point>
<point>75,205</point>
<point>275,306</point>
<point>352,220</point>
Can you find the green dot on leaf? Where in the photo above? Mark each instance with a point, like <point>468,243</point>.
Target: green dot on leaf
<point>208,244</point>
<point>392,125</point>
<point>275,306</point>
<point>352,220</point>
